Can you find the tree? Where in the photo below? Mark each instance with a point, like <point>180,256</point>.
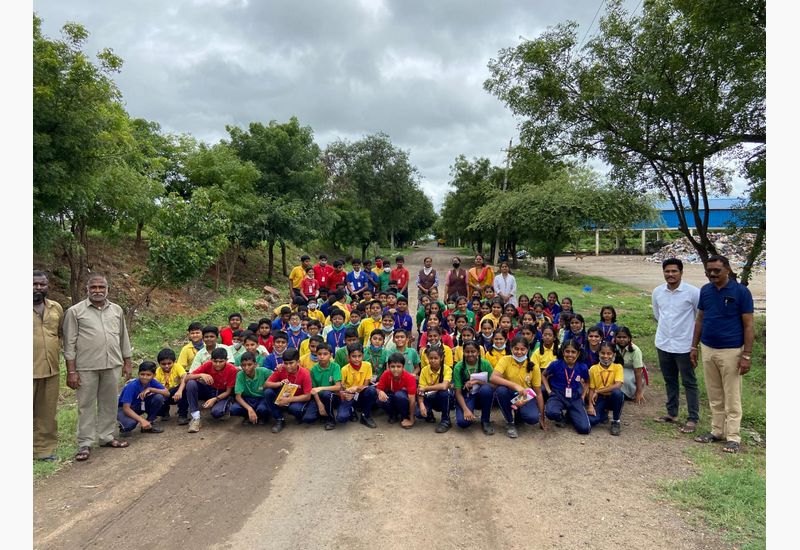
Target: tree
<point>666,98</point>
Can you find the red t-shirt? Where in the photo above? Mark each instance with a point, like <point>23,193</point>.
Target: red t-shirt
<point>388,383</point>
<point>401,276</point>
<point>322,273</point>
<point>335,278</point>
<point>309,287</point>
<point>226,336</point>
<point>302,378</point>
<point>267,343</point>
<point>223,379</point>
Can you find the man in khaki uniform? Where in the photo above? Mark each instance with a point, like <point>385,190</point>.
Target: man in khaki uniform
<point>96,349</point>
<point>47,317</point>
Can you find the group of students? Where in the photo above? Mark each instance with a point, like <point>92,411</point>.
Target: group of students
<point>333,358</point>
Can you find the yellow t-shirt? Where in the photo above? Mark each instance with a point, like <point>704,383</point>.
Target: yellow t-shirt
<point>429,378</point>
<point>341,306</point>
<point>352,377</point>
<point>173,380</point>
<point>277,310</point>
<point>448,358</point>
<point>366,327</point>
<point>492,318</point>
<point>316,314</point>
<point>600,378</point>
<point>543,360</point>
<point>296,276</point>
<point>304,349</point>
<point>305,360</point>
<point>185,357</point>
<point>493,356</point>
<point>508,368</point>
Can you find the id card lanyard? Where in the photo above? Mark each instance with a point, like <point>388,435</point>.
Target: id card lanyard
<point>568,390</point>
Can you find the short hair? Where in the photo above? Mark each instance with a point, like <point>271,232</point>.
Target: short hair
<point>672,261</point>
<point>238,332</point>
<point>317,339</point>
<point>219,353</point>
<point>37,273</point>
<point>351,333</point>
<point>402,331</point>
<point>354,347</point>
<point>400,259</point>
<point>94,277</point>
<point>309,268</point>
<point>210,328</point>
<point>337,313</point>
<point>285,310</point>
<point>397,357</point>
<point>356,261</point>
<point>402,299</point>
<point>291,354</point>
<point>338,263</point>
<point>305,257</point>
<point>298,301</point>
<point>147,366</point>
<point>719,258</point>
<point>322,257</point>
<point>373,302</point>
<point>165,354</point>
<point>264,321</point>
<point>377,332</point>
<point>194,326</point>
<point>280,335</point>
<point>324,346</point>
<point>247,356</point>
<point>314,323</point>
<point>232,315</point>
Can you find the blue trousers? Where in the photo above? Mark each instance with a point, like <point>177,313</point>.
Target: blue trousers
<point>329,399</point>
<point>575,410</point>
<point>528,413</point>
<point>183,404</point>
<point>258,403</point>
<point>397,405</point>
<point>366,400</point>
<point>152,406</point>
<point>440,401</point>
<point>482,399</point>
<point>613,402</point>
<point>295,409</point>
<point>195,391</point>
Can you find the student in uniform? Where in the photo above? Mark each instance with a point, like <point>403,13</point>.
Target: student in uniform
<point>467,333</point>
<point>334,334</point>
<point>412,362</point>
<point>280,341</point>
<point>314,328</point>
<point>566,380</point>
<point>539,316</point>
<point>486,336</point>
<point>298,273</point>
<point>387,327</point>
<point>212,381</point>
<point>434,341</point>
<point>210,344</point>
<point>265,334</point>
<point>289,373</point>
<point>309,359</point>
<point>546,353</point>
<point>512,376</point>
<point>524,305</point>
<point>234,324</point>
<point>566,307</point>
<point>190,349</point>
<point>314,313</point>
<point>462,307</point>
<point>322,271</point>
<point>337,277</point>
<point>401,275</point>
<point>356,390</point>
<point>608,323</point>
<point>552,307</point>
<point>282,321</point>
<point>295,334</point>
<point>249,401</point>
<point>373,279</point>
<point>350,337</point>
<point>591,350</point>
<point>326,383</point>
<point>397,392</point>
<point>309,287</point>
<point>356,281</point>
<point>370,323</point>
<point>633,369</point>
<point>402,319</point>
<point>423,309</point>
<point>576,330</point>
<point>434,322</point>
<point>471,393</point>
<point>605,383</point>
<point>495,313</point>
<point>375,353</point>
<point>143,395</point>
<point>433,392</point>
<point>173,378</point>
<point>499,348</point>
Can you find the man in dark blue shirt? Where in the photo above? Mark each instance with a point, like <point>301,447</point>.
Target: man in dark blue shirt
<point>724,330</point>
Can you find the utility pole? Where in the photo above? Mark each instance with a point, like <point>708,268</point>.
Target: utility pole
<point>505,184</point>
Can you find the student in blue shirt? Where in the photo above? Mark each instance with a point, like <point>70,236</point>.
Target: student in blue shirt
<point>402,319</point>
<point>356,281</point>
<point>373,281</point>
<point>282,321</point>
<point>280,341</point>
<point>140,396</point>
<point>295,334</point>
<point>567,381</point>
<point>608,323</point>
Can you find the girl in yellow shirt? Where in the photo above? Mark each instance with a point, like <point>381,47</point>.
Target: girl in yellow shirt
<point>605,383</point>
<point>513,375</point>
<point>499,348</point>
<point>548,349</point>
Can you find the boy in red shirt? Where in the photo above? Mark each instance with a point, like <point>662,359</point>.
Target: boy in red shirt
<point>213,381</point>
<point>322,271</point>
<point>337,276</point>
<point>290,372</point>
<point>234,323</point>
<point>309,286</point>
<point>401,275</point>
<point>397,391</point>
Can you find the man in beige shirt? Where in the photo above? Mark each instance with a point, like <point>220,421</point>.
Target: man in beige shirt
<point>47,317</point>
<point>96,349</point>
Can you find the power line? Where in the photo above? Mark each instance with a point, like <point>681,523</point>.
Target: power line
<point>592,23</point>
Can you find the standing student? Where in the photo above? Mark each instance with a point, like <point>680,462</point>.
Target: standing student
<point>401,317</point>
<point>326,383</point>
<point>479,276</point>
<point>337,276</point>
<point>605,383</point>
<point>505,285</point>
<point>513,376</point>
<point>249,391</point>
<point>173,377</point>
<point>472,392</point>
<point>397,392</point>
<point>212,381</point>
<point>634,370</point>
<point>385,274</point>
<point>309,286</point>
<point>356,390</point>
<point>143,395</point>
<point>373,279</point>
<point>401,275</point>
<point>455,280</point>
<point>433,392</point>
<point>566,380</point>
<point>322,271</point>
<point>356,281</point>
<point>297,275</point>
<point>234,324</point>
<point>289,373</point>
<point>608,323</point>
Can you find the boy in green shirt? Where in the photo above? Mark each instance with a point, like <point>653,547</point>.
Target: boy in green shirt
<point>249,390</point>
<point>376,354</point>
<point>326,383</point>
<point>251,345</point>
<point>350,337</point>
<point>412,364</point>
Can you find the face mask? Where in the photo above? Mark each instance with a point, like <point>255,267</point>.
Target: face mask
<point>387,269</point>
<point>456,265</point>
<point>313,357</point>
<point>375,348</point>
<point>294,328</point>
<point>605,363</point>
<point>312,305</point>
<point>237,345</point>
<point>520,359</point>
<point>500,348</point>
<point>389,329</point>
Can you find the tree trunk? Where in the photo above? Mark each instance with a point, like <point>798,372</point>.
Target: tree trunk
<point>492,253</point>
<point>130,312</point>
<point>480,246</point>
<point>216,278</point>
<point>758,246</point>
<point>552,271</point>
<point>283,259</point>
<point>139,226</point>
<point>391,241</point>
<point>270,259</point>
<point>514,263</point>
<point>364,252</point>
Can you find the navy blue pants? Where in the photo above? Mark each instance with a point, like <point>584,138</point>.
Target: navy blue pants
<point>482,399</point>
<point>528,413</point>
<point>613,402</point>
<point>295,409</point>
<point>259,404</point>
<point>397,404</point>
<point>152,406</point>
<point>440,401</point>
<point>329,399</point>
<point>183,404</point>
<point>366,399</point>
<point>575,410</point>
<point>195,391</point>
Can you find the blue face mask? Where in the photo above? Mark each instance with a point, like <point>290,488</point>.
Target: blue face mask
<point>375,348</point>
<point>313,357</point>
<point>387,330</point>
<point>294,328</point>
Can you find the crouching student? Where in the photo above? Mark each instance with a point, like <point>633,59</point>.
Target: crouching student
<point>249,391</point>
<point>513,375</point>
<point>472,391</point>
<point>566,380</point>
<point>140,396</point>
<point>213,381</point>
<point>173,378</point>
<point>326,383</point>
<point>433,392</point>
<point>292,399</point>
<point>605,389</point>
<point>356,390</point>
<point>397,392</point>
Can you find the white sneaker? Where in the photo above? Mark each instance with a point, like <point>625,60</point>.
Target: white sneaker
<point>194,425</point>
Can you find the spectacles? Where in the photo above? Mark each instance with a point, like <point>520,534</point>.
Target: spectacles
<point>714,271</point>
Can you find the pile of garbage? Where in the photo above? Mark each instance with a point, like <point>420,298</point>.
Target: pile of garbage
<point>734,247</point>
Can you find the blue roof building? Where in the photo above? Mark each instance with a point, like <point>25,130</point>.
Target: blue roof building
<point>721,212</point>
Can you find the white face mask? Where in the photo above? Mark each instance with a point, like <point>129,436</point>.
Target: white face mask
<point>387,269</point>
<point>312,305</point>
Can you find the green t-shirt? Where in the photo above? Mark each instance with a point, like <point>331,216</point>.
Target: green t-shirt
<point>377,359</point>
<point>325,377</point>
<point>341,356</point>
<point>237,359</point>
<point>461,372</point>
<point>412,358</point>
<point>384,279</point>
<point>252,387</point>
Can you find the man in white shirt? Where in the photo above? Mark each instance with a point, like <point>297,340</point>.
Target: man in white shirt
<point>675,310</point>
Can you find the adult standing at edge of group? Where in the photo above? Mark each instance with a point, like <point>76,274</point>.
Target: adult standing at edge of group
<point>505,285</point>
<point>427,278</point>
<point>479,276</point>
<point>297,274</point>
<point>675,309</point>
<point>456,281</point>
<point>401,275</point>
<point>96,349</point>
<point>47,318</point>
<point>724,330</point>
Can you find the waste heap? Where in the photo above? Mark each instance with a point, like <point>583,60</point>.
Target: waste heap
<point>734,247</point>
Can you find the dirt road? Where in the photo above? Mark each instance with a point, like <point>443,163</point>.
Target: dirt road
<point>232,486</point>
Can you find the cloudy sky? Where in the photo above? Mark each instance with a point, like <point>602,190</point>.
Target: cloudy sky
<point>413,69</point>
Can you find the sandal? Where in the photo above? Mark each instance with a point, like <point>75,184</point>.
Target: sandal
<point>707,438</point>
<point>730,447</point>
<point>83,454</point>
<point>116,444</point>
<point>664,419</point>
<point>689,427</point>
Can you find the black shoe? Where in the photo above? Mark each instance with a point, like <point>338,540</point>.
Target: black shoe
<point>430,419</point>
<point>165,418</point>
<point>330,424</point>
<point>154,429</point>
<point>368,421</point>
<point>443,426</point>
<point>353,417</point>
<point>261,422</point>
<point>278,426</point>
<point>183,420</point>
<point>245,421</point>
<point>123,433</point>
<point>615,428</point>
<point>393,420</point>
<point>488,428</point>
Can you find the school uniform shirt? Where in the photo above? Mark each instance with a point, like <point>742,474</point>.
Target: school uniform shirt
<point>631,360</point>
<point>171,380</point>
<point>558,374</point>
<point>412,359</point>
<point>187,355</point>
<point>223,379</point>
<point>591,357</point>
<point>316,314</point>
<point>296,338</point>
<point>448,357</point>
<point>365,329</point>
<point>226,336</point>
<point>296,276</point>
<point>401,276</point>
<point>383,280</point>
<point>429,378</point>
<point>608,331</point>
<point>321,378</point>
<point>130,393</point>
<point>356,377</point>
<point>260,359</point>
<point>342,306</point>
<point>388,383</point>
<point>310,287</point>
<point>446,339</point>
<point>492,318</point>
<point>341,356</point>
<point>273,361</point>
<point>462,372</point>
<point>279,324</point>
<point>373,281</point>
<point>600,378</point>
<point>493,356</point>
<point>266,343</point>
<point>203,356</point>
<point>307,361</point>
<point>251,387</point>
<point>301,377</point>
<point>377,359</point>
<point>553,311</point>
<point>543,360</point>
<point>402,320</point>
<point>469,314</point>
<point>304,349</point>
<point>335,278</point>
<point>357,279</point>
<point>511,370</point>
<point>322,273</point>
